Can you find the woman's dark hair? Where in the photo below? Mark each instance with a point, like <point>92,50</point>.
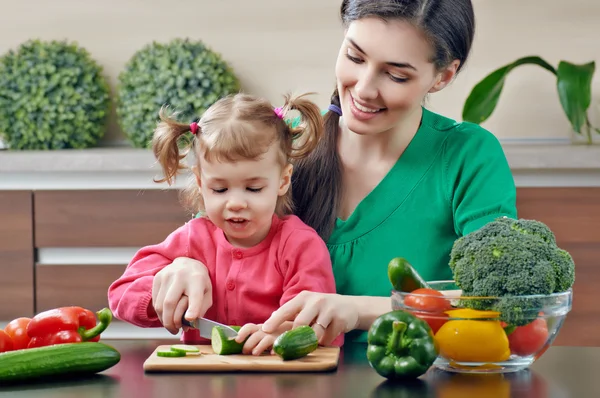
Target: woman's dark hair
<point>449,26</point>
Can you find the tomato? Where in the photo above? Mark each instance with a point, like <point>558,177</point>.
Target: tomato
<point>17,330</point>
<point>529,339</point>
<point>429,305</point>
<point>6,343</point>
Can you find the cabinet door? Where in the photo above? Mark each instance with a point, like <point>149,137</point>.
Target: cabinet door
<point>16,255</point>
<point>574,216</point>
<point>82,285</point>
<point>96,225</point>
<point>106,218</point>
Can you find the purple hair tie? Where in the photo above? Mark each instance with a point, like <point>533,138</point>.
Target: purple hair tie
<point>335,108</point>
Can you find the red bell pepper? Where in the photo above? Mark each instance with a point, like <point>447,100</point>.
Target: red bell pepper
<point>6,343</point>
<point>67,325</point>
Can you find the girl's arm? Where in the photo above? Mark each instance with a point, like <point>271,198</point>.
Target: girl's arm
<point>130,296</point>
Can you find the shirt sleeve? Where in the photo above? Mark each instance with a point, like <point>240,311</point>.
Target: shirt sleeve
<point>307,266</point>
<point>130,296</point>
<point>481,187</point>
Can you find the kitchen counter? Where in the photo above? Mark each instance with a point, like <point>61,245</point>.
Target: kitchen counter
<point>562,372</point>
<point>106,168</point>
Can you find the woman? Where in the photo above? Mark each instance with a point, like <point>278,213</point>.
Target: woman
<point>392,178</point>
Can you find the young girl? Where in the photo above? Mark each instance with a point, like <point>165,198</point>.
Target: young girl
<point>247,255</point>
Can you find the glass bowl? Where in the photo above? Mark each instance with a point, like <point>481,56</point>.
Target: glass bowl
<point>487,334</point>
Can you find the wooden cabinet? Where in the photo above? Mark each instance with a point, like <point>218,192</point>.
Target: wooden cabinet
<point>105,218</point>
<point>83,285</point>
<point>574,216</point>
<point>108,219</point>
<point>16,254</point>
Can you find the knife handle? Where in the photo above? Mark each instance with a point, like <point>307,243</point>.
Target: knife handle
<point>185,322</point>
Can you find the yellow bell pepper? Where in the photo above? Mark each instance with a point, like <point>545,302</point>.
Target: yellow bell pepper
<point>477,336</point>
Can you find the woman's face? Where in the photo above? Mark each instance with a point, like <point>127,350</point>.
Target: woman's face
<point>384,71</point>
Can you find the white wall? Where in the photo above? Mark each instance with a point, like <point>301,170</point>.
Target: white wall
<point>280,45</point>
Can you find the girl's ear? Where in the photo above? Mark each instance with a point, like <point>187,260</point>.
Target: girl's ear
<point>286,179</point>
<point>196,172</point>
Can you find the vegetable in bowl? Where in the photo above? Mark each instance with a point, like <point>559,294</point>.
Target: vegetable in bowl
<point>508,258</point>
<point>511,292</point>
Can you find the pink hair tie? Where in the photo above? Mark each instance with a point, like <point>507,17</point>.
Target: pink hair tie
<point>279,112</point>
<point>194,128</point>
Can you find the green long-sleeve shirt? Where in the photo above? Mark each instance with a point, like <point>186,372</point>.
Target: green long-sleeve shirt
<point>452,179</point>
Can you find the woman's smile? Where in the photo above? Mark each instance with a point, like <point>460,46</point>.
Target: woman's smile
<point>362,111</point>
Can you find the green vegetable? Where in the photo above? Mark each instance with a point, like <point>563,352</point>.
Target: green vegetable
<point>507,258</point>
<point>223,345</point>
<point>400,346</point>
<point>296,343</point>
<point>403,277</point>
<point>184,74</point>
<point>170,353</point>
<point>59,360</point>
<point>53,95</point>
<point>186,349</point>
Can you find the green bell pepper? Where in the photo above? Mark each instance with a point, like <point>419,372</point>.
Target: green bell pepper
<point>400,345</point>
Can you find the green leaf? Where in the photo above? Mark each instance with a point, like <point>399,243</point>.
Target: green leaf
<point>574,84</point>
<point>482,100</point>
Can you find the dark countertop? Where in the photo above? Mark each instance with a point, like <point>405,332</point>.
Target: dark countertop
<point>561,372</point>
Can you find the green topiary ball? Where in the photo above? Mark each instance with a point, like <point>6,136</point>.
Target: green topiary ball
<point>52,96</point>
<point>185,75</point>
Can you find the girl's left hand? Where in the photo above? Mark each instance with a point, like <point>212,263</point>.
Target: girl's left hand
<point>258,341</point>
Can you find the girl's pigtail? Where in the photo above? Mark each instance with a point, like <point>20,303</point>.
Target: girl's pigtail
<point>165,144</point>
<point>317,179</point>
<point>309,131</point>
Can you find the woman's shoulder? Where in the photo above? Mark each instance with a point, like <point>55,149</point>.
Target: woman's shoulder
<point>462,136</point>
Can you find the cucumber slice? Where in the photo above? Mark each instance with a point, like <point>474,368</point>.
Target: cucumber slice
<point>186,349</point>
<point>170,353</point>
<point>223,345</point>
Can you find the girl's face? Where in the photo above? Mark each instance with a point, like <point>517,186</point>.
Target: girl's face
<point>240,197</point>
<point>384,71</point>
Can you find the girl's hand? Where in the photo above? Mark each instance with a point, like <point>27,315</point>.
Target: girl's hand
<point>259,341</point>
<point>182,285</point>
<point>328,314</point>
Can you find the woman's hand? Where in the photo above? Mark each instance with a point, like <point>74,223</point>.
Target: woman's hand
<point>328,314</point>
<point>182,285</point>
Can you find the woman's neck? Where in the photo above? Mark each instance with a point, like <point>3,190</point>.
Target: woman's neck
<point>385,146</point>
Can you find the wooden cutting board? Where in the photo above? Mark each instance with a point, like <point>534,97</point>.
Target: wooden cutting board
<point>321,360</point>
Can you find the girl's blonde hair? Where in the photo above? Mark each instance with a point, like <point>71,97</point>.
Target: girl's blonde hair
<point>237,127</point>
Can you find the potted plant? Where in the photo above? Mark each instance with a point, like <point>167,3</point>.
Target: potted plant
<point>574,87</point>
<point>52,96</point>
<point>183,74</point>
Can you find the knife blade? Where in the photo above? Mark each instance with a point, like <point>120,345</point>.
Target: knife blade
<point>205,327</point>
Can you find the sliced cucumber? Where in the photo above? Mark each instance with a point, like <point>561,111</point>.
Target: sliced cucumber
<point>223,345</point>
<point>170,353</point>
<point>186,349</point>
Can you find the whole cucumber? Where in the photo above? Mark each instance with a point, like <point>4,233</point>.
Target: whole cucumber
<point>403,277</point>
<point>70,359</point>
<point>296,343</point>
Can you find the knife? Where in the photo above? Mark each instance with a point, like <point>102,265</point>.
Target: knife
<point>205,327</point>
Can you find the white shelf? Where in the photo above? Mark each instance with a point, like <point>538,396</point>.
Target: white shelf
<point>533,164</point>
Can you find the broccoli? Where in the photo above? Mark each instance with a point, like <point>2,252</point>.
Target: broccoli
<point>507,258</point>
